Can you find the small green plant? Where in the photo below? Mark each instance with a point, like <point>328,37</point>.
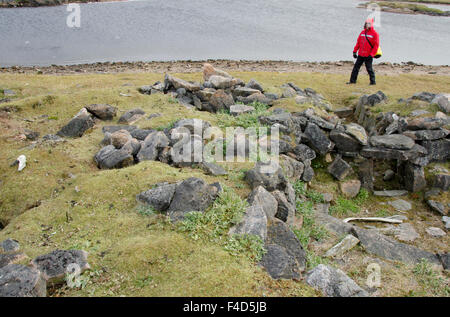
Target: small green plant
<point>362,196</point>
<point>300,188</point>
<point>430,281</point>
<point>344,206</point>
<point>309,228</point>
<point>245,120</point>
<point>214,224</point>
<point>313,260</point>
<point>382,213</point>
<point>251,245</point>
<point>142,282</point>
<point>146,210</point>
<point>315,196</point>
<point>167,126</point>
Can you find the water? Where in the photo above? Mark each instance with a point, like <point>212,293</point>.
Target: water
<point>302,30</point>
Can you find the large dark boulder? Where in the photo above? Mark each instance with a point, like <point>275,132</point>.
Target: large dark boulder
<point>279,233</point>
<point>76,127</point>
<point>261,197</point>
<point>279,263</point>
<point>344,143</point>
<point>393,141</point>
<point>439,150</point>
<point>286,210</point>
<point>339,168</point>
<point>21,281</point>
<point>388,248</point>
<point>55,265</point>
<point>110,157</point>
<point>102,111</point>
<point>158,197</point>
<point>270,176</point>
<point>333,282</point>
<point>193,194</point>
<point>318,139</point>
<point>131,116</point>
<point>152,145</point>
<point>304,153</point>
<point>220,100</point>
<point>254,222</point>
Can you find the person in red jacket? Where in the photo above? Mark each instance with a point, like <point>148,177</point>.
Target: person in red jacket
<point>365,49</point>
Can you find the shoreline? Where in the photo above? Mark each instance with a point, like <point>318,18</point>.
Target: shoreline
<point>188,66</point>
<point>51,3</point>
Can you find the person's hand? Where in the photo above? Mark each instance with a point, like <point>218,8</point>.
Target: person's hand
<point>355,55</point>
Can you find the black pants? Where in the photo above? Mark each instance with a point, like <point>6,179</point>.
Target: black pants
<point>368,62</point>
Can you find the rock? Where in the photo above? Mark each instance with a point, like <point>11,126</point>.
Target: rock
<point>417,153</point>
<point>393,141</point>
<point>333,282</point>
<point>390,193</point>
<point>376,98</point>
<point>177,83</point>
<point>424,96</point>
<point>304,153</point>
<point>339,168</point>
<point>102,111</point>
<point>385,247</point>
<point>350,188</point>
<point>193,194</point>
<point>436,206</point>
<point>31,135</point>
<point>114,128</point>
<point>388,175</point>
<point>286,210</point>
<point>140,134</point>
<point>109,157</point>
<point>254,85</point>
<point>283,119</point>
<point>442,102</point>
<point>213,169</point>
<point>425,124</point>
<point>9,245</point>
<point>442,181</point>
<point>152,145</point>
<point>365,174</point>
<point>52,139</point>
<point>193,126</point>
<point>279,233</point>
<point>187,151</point>
<point>344,143</point>
<point>414,177</point>
<point>221,82</point>
<point>426,135</point>
<point>261,197</point>
<point>131,116</point>
<point>358,132</point>
<point>256,97</point>
<point>400,205</point>
<point>220,100</point>
<point>236,110</point>
<point>308,173</point>
<point>158,197</point>
<point>55,265</point>
<point>292,168</point>
<point>21,281</point>
<point>432,192</point>
<point>435,232</point>
<point>318,139</point>
<point>288,93</point>
<point>406,232</point>
<point>76,127</point>
<point>254,222</point>
<point>322,123</point>
<point>244,92</point>
<point>445,260</point>
<point>438,150</point>
<point>419,112</point>
<point>279,263</point>
<point>11,258</point>
<point>331,223</point>
<point>8,92</point>
<point>339,249</point>
<point>446,221</point>
<point>119,138</point>
<point>209,70</point>
<point>270,176</point>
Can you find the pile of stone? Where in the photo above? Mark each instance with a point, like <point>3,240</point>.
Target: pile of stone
<point>221,91</point>
<point>17,280</point>
<point>178,199</point>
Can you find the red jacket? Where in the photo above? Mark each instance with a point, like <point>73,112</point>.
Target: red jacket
<point>363,46</point>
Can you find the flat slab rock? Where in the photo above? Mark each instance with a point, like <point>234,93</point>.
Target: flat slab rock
<point>388,248</point>
<point>393,141</point>
<point>9,245</point>
<point>21,281</point>
<point>390,193</point>
<point>279,263</point>
<point>333,282</point>
<point>56,264</point>
<point>11,258</point>
<point>345,245</point>
<point>400,205</point>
